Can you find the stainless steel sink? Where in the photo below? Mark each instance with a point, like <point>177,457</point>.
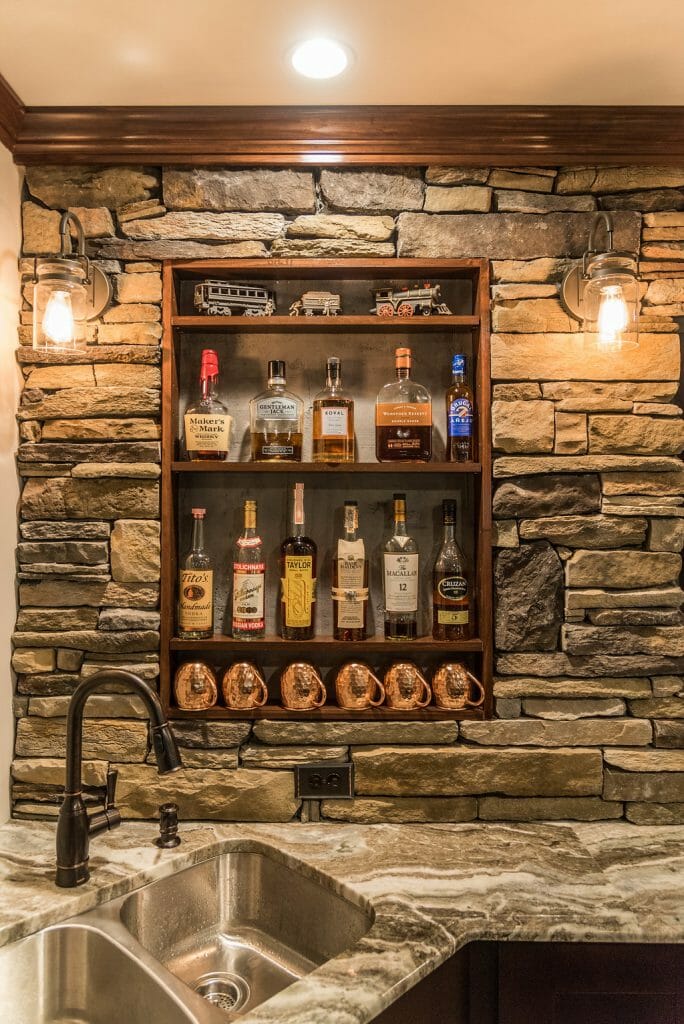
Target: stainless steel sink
<point>239,928</point>
<point>72,974</point>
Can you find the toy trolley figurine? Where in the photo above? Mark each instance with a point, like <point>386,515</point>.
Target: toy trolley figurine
<point>317,303</point>
<point>409,301</point>
<point>228,298</point>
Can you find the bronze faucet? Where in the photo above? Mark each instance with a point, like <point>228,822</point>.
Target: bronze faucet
<point>75,825</point>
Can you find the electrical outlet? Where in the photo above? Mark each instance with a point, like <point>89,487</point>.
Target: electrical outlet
<point>323,781</point>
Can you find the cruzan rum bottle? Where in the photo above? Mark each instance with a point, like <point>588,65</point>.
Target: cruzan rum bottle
<point>333,419</point>
<point>206,423</point>
<point>450,584</point>
<point>403,417</point>
<point>249,578</point>
<point>196,586</point>
<point>350,580</point>
<point>400,575</point>
<point>298,577</point>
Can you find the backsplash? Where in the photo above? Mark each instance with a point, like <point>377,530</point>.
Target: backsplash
<point>588,499</point>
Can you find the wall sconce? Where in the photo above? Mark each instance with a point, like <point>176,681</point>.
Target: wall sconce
<point>68,292</point>
<point>603,293</point>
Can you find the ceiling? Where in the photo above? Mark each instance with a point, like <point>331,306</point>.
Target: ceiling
<point>138,52</point>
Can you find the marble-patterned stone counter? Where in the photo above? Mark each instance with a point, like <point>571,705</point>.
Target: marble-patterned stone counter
<point>433,888</point>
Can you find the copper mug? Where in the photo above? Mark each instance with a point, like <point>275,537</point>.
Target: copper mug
<point>195,686</point>
<point>301,687</point>
<point>357,688</point>
<point>243,686</point>
<point>451,685</point>
<point>406,687</point>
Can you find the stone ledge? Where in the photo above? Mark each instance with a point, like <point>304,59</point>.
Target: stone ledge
<point>540,733</point>
<point>371,811</point>
<point>496,808</point>
<point>507,466</point>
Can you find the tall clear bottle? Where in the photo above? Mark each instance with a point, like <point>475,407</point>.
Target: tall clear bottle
<point>350,580</point>
<point>276,420</point>
<point>298,555</point>
<point>400,577</point>
<point>333,419</point>
<point>460,414</point>
<point>451,619</point>
<point>403,416</point>
<point>206,423</point>
<point>249,580</point>
<point>196,586</point>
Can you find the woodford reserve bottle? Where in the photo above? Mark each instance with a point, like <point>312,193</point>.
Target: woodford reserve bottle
<point>400,576</point>
<point>460,414</point>
<point>403,417</point>
<point>450,584</point>
<point>298,577</point>
<point>196,586</point>
<point>249,579</point>
<point>333,419</point>
<point>206,423</point>
<point>350,580</point>
<point>276,420</point>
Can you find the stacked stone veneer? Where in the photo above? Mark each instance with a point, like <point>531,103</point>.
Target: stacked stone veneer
<point>588,499</point>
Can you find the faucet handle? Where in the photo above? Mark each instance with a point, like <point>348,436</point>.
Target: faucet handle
<point>110,793</point>
<point>168,827</point>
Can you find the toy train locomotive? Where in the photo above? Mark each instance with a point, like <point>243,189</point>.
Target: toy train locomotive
<point>225,298</point>
<point>409,301</point>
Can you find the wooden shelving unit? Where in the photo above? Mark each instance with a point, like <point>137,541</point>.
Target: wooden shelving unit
<point>366,344</point>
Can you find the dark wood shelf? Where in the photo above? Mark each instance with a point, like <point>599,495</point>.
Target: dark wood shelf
<point>374,645</point>
<point>331,713</point>
<point>293,324</point>
<point>324,468</point>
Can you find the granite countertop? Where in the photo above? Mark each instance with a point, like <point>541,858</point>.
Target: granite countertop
<point>433,889</point>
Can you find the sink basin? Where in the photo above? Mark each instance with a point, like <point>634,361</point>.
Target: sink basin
<point>72,974</point>
<point>241,927</point>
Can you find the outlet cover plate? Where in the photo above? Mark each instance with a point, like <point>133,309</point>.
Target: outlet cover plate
<point>324,781</point>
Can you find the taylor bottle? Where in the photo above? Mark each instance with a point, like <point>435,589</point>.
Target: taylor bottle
<point>298,577</point>
<point>451,618</point>
<point>196,586</point>
<point>276,420</point>
<point>249,579</point>
<point>403,416</point>
<point>460,414</point>
<point>400,577</point>
<point>350,580</point>
<point>207,425</point>
<point>333,419</point>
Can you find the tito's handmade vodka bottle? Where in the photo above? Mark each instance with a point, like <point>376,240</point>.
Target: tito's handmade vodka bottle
<point>196,586</point>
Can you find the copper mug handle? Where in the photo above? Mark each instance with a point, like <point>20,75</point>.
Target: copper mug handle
<point>427,690</point>
<point>261,700</point>
<point>475,703</point>
<point>323,695</point>
<point>381,691</point>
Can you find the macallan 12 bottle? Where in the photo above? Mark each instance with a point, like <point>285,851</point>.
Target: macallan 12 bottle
<point>298,577</point>
<point>350,580</point>
<point>206,423</point>
<point>249,578</point>
<point>450,584</point>
<point>403,417</point>
<point>196,586</point>
<point>400,576</point>
<point>276,420</point>
<point>460,414</point>
<point>333,419</point>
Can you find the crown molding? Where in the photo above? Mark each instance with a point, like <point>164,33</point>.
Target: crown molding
<point>12,112</point>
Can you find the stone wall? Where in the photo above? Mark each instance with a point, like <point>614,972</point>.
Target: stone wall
<point>588,499</point>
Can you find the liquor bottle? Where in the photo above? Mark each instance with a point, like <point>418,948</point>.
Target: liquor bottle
<point>298,577</point>
<point>249,578</point>
<point>196,586</point>
<point>400,574</point>
<point>333,419</point>
<point>460,414</point>
<point>206,423</point>
<point>276,418</point>
<point>350,580</point>
<point>450,584</point>
<point>403,417</point>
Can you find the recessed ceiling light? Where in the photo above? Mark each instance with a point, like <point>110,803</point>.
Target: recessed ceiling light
<point>320,58</point>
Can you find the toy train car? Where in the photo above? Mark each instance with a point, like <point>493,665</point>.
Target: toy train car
<point>321,303</point>
<point>225,298</point>
<point>409,301</point>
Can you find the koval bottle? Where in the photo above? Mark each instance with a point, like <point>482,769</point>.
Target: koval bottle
<point>460,414</point>
<point>333,419</point>
<point>350,580</point>
<point>249,579</point>
<point>403,417</point>
<point>196,586</point>
<point>450,584</point>
<point>400,576</point>
<point>206,423</point>
<point>298,577</point>
<point>276,420</point>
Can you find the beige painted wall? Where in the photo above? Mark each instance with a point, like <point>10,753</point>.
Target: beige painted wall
<point>10,235</point>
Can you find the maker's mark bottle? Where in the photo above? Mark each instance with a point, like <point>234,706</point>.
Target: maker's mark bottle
<point>207,425</point>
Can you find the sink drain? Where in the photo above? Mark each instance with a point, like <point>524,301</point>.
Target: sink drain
<point>226,991</point>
